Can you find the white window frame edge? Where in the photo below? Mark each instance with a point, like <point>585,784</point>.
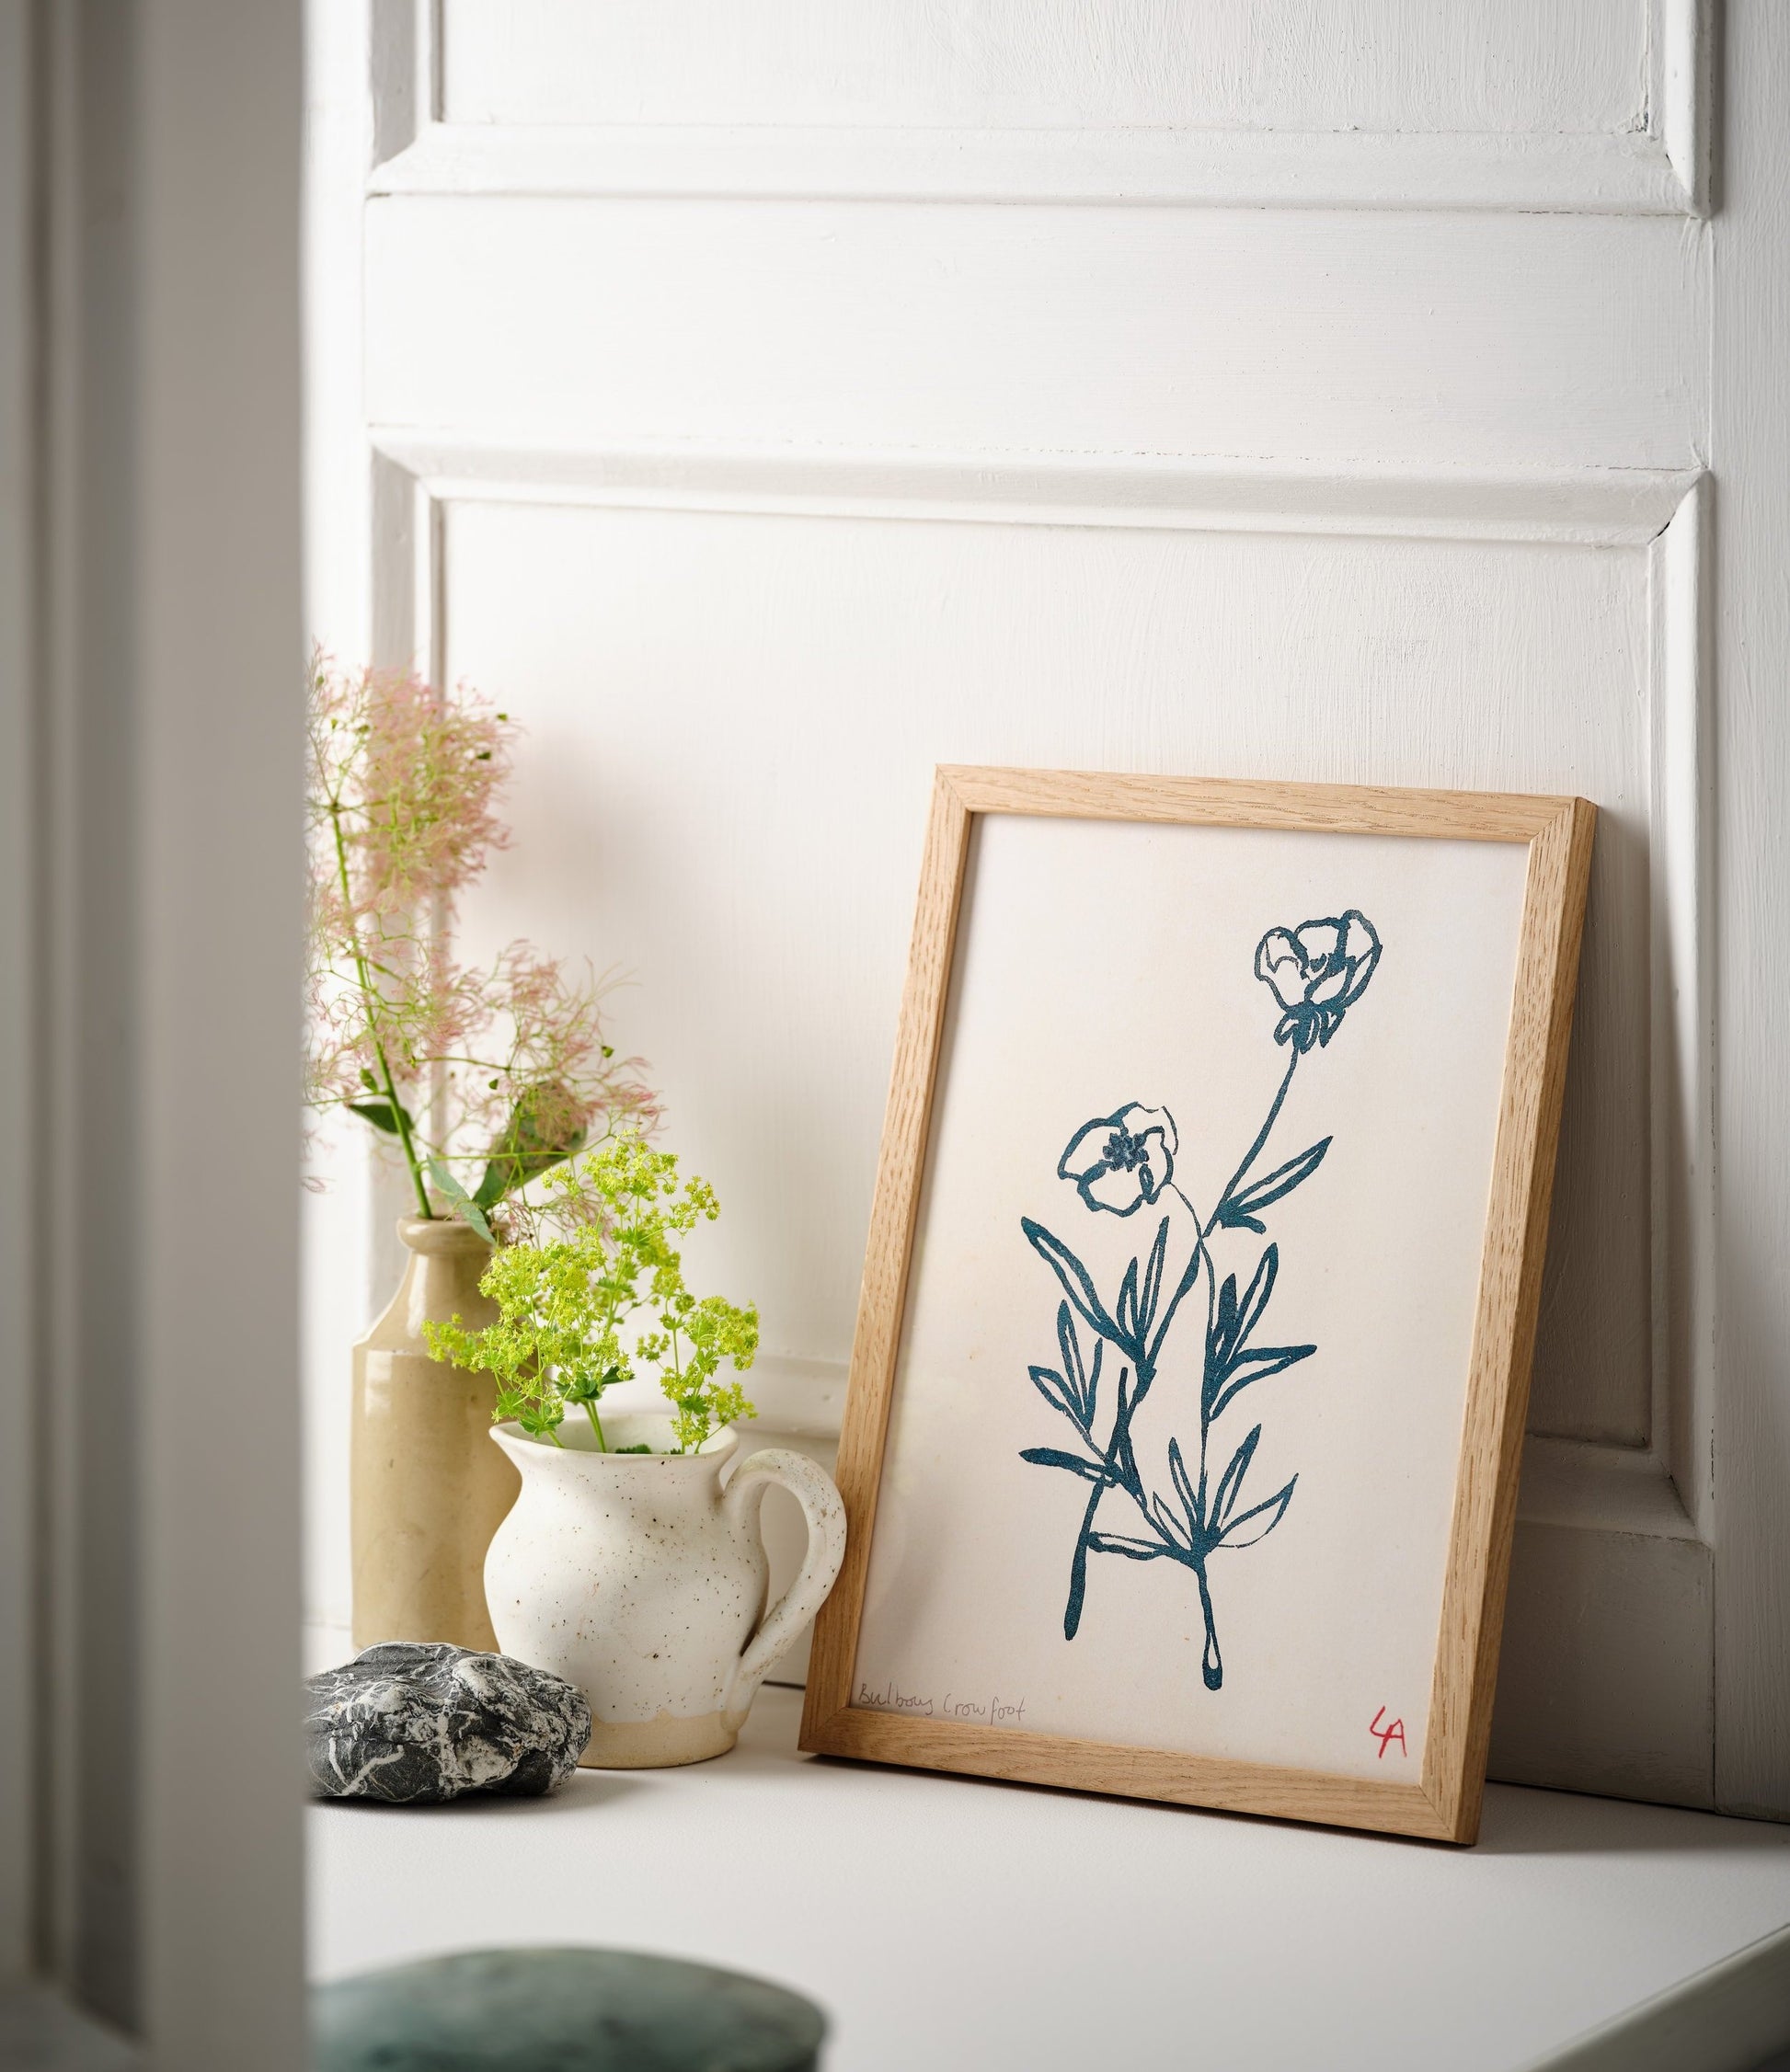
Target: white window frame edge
<point>200,472</point>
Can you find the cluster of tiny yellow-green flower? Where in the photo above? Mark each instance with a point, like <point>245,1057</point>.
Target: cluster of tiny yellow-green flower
<point>571,1305</point>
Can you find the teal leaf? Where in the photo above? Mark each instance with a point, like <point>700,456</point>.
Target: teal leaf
<point>1242,1209</point>
<point>1224,1325</point>
<point>1126,1309</point>
<point>1230,1484</point>
<point>1264,1518</point>
<point>1174,1530</point>
<point>1183,1486</point>
<point>1256,1296</point>
<point>1074,1275</point>
<point>1257,1367</point>
<point>1189,1275</point>
<point>1056,1392</point>
<point>1070,1346</point>
<point>1053,1457</point>
<point>1152,1278</point>
<point>1132,1550</point>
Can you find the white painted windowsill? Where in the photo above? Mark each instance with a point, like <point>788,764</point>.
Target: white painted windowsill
<point>953,1923</point>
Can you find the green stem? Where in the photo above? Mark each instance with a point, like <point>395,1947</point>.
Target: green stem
<point>596,1426</point>
<point>369,993</point>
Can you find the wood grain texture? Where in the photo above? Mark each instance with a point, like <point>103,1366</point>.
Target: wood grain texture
<point>1239,803</point>
<point>1504,1329</point>
<point>892,1214</point>
<point>1127,1773</point>
<point>1445,1805</point>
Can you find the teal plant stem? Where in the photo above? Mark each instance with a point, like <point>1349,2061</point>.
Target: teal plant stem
<point>1121,1161</point>
<point>1250,1156</point>
<point>1117,1470</point>
<point>1211,1665</point>
<point>596,1426</point>
<point>1110,1478</point>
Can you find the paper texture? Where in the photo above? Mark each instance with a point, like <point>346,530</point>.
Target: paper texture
<point>1107,973</point>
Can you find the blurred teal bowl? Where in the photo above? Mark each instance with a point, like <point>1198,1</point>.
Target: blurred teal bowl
<point>561,2010</point>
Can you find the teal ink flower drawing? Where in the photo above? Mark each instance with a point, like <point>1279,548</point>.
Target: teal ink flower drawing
<point>1118,1162</point>
<point>1109,1352</point>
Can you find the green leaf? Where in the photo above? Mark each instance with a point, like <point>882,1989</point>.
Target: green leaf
<point>529,1146</point>
<point>464,1206</point>
<point>380,1113</point>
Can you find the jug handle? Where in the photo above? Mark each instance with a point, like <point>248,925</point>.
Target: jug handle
<point>813,1489</point>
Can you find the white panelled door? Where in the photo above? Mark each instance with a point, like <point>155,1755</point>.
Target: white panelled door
<point>773,403</point>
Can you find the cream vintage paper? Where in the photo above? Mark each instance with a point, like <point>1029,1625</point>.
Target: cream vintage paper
<point>1127,1001</point>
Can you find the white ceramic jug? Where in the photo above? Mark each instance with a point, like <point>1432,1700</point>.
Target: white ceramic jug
<point>638,1578</point>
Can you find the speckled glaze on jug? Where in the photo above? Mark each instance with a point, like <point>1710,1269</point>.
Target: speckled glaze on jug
<point>641,1579</point>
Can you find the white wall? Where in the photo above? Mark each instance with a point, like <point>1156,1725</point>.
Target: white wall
<point>767,411</point>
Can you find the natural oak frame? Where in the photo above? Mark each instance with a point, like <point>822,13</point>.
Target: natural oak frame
<point>1444,1805</point>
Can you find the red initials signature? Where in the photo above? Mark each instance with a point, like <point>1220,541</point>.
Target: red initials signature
<point>1385,1736</point>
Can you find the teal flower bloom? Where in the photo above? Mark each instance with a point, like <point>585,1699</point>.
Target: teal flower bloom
<point>1317,972</point>
<point>1120,1161</point>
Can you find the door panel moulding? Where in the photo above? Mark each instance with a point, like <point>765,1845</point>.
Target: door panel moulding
<point>1552,506</point>
<point>1613,1587</point>
<point>1658,167</point>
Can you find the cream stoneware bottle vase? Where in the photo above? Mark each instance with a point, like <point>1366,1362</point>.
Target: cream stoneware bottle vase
<point>641,1579</point>
<point>426,1487</point>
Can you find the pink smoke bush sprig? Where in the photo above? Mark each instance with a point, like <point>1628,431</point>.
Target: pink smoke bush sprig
<point>482,1079</point>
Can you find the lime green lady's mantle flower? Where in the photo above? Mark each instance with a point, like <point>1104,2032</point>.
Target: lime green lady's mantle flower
<point>570,1305</point>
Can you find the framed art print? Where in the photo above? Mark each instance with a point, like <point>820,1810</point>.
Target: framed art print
<point>1181,1448</point>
